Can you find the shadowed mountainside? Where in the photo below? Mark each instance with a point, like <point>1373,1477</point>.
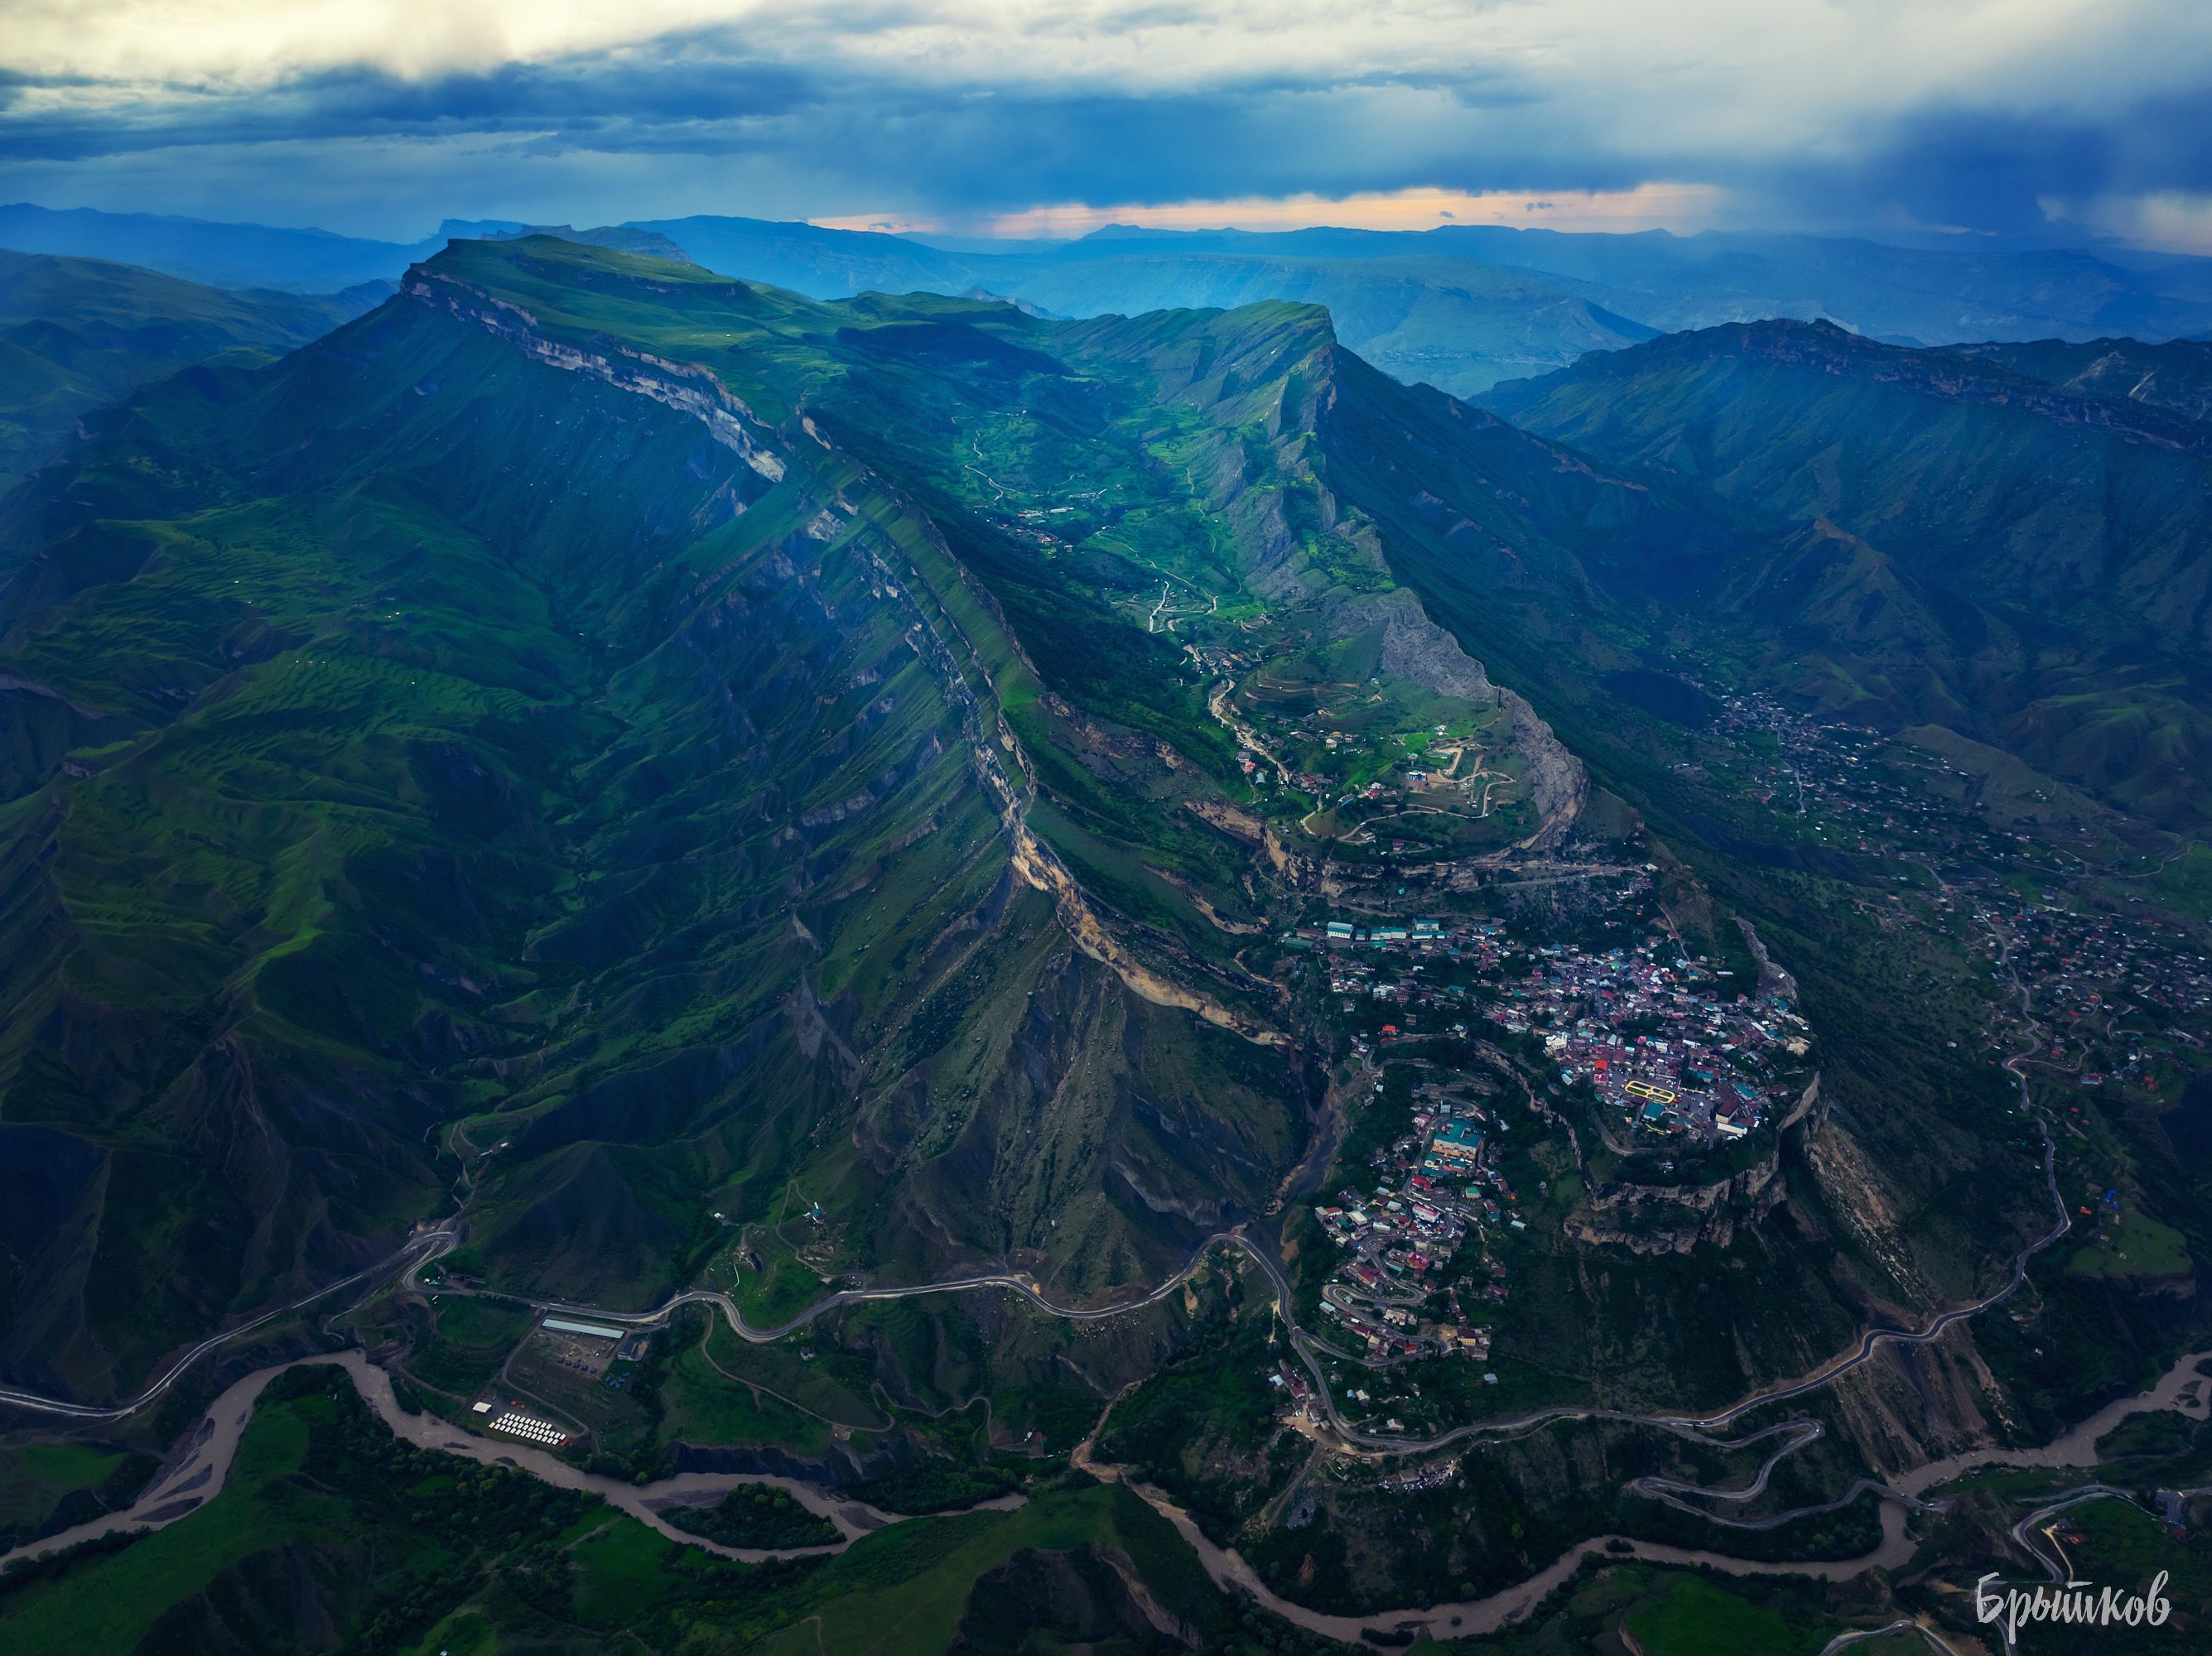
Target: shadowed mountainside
<point>598,714</point>
<point>1936,539</point>
<point>77,333</point>
<point>694,754</point>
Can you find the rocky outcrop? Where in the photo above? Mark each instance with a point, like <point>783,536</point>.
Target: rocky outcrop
<point>1039,864</point>
<point>682,386</point>
<point>1415,647</point>
<point>1773,979</point>
<point>1677,1218</point>
<point>1557,781</point>
<point>1651,1219</point>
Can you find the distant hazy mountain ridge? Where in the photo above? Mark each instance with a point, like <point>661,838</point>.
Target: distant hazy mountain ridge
<point>76,334</point>
<point>1459,306</point>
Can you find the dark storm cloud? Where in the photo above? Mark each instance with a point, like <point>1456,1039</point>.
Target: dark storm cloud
<point>704,97</point>
<point>962,147</point>
<point>612,101</point>
<point>1994,171</point>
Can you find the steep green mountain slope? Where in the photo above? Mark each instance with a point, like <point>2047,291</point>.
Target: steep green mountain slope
<point>614,726</point>
<point>1940,540</point>
<point>515,742</point>
<point>75,333</point>
<point>696,786</point>
<point>688,772</point>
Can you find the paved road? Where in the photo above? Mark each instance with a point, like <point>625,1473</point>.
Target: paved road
<point>1796,1434</point>
<point>417,1253</point>
<point>1011,1282</point>
<point>426,1248</point>
<point>2025,1532</point>
<point>1843,1641</point>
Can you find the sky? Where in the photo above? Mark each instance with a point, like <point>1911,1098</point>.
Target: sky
<point>2000,119</point>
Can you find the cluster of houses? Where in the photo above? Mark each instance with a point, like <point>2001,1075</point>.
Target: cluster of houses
<point>2094,974</point>
<point>1661,1038</point>
<point>2092,970</point>
<point>1672,1043</point>
<point>1433,1476</point>
<point>1403,1242</point>
<point>2113,980</point>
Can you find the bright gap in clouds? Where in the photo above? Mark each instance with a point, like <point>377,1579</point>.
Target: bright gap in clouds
<point>1684,208</point>
<point>2175,220</point>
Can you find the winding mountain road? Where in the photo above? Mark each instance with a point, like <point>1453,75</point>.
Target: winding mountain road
<point>417,1253</point>
<point>426,1248</point>
<point>1796,1435</point>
